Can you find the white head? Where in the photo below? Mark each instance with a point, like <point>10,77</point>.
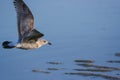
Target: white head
<point>43,42</point>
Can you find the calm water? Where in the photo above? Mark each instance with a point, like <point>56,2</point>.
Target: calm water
<point>78,30</point>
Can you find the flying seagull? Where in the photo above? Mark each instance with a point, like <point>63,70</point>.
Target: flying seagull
<point>29,38</point>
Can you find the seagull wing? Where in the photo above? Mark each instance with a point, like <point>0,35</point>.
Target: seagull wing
<point>25,19</point>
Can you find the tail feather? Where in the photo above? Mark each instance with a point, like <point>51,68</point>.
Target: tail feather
<point>6,45</point>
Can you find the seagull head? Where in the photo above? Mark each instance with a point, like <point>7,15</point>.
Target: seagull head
<point>44,42</point>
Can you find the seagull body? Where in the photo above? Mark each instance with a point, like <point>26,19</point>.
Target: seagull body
<point>29,38</point>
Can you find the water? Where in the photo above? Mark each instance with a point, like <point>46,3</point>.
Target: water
<point>78,30</point>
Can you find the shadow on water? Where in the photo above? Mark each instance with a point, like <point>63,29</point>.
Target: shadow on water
<point>87,68</point>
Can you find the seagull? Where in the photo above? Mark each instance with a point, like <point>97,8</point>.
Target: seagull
<point>28,37</point>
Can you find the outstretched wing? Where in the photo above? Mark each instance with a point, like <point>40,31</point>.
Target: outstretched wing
<point>24,17</point>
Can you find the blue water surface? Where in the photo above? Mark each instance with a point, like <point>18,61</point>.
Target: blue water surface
<point>77,29</point>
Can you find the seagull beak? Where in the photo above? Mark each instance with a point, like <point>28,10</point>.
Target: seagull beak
<point>49,43</point>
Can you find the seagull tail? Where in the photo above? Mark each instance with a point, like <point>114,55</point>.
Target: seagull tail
<point>7,45</point>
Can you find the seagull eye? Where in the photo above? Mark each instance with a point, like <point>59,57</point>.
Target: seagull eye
<point>44,41</point>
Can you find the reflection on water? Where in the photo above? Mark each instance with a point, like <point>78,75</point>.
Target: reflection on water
<point>117,54</point>
<point>56,63</point>
<point>88,69</point>
<point>40,71</point>
<point>84,61</point>
<point>95,75</point>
